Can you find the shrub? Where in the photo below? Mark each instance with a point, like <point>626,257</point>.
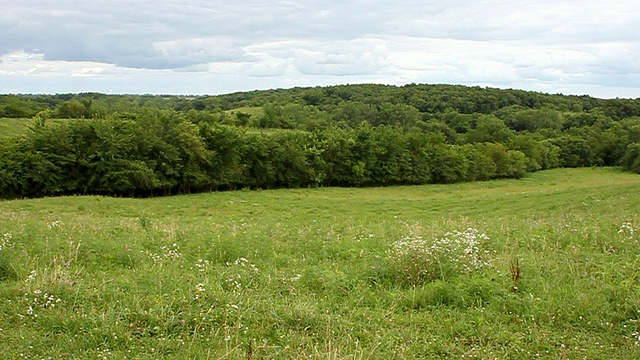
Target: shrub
<point>417,260</point>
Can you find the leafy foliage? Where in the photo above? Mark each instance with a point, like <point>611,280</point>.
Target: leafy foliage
<point>352,135</point>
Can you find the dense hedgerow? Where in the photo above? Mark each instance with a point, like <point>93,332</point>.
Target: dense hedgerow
<point>162,153</point>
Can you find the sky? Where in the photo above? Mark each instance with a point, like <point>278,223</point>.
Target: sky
<point>202,47</point>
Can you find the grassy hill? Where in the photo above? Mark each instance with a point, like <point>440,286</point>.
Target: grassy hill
<point>545,266</point>
<point>12,127</point>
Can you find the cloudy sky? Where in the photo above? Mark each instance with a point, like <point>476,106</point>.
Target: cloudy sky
<point>213,47</point>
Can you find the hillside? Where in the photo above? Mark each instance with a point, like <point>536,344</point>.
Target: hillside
<point>350,135</point>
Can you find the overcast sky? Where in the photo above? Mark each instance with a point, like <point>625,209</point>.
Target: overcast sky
<point>213,47</point>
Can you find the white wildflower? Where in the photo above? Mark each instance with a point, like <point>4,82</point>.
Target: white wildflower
<point>627,230</point>
<point>172,252</point>
<point>241,273</point>
<point>201,265</point>
<point>420,259</point>
<point>5,242</point>
<point>241,261</point>
<point>167,252</point>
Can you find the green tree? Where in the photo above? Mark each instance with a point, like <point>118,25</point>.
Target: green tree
<point>480,166</point>
<point>533,120</point>
<point>399,115</point>
<point>631,158</point>
<point>448,164</point>
<point>531,148</point>
<point>352,114</point>
<point>336,144</point>
<point>575,152</point>
<point>74,109</point>
<point>488,129</point>
<point>18,107</point>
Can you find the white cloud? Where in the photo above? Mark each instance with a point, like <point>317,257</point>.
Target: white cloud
<point>199,50</point>
<point>168,46</point>
<point>268,68</point>
<point>21,63</point>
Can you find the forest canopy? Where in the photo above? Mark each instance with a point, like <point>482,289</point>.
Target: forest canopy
<point>348,135</point>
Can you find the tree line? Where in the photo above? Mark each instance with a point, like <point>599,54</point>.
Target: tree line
<point>359,135</point>
<point>426,98</point>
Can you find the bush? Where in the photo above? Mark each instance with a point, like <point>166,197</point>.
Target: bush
<point>631,159</point>
<point>417,260</point>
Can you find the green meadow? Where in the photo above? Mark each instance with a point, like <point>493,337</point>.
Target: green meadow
<point>15,127</point>
<point>10,128</point>
<point>542,267</point>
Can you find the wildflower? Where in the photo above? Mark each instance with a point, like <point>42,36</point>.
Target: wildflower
<point>627,230</point>
<point>241,261</point>
<point>240,268</point>
<point>172,252</point>
<point>200,289</point>
<point>168,252</point>
<point>457,251</point>
<point>32,276</point>
<point>6,241</point>
<point>202,264</point>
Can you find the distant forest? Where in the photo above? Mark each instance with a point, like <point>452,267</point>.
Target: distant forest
<point>348,135</point>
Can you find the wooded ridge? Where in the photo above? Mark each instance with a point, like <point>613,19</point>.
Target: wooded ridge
<point>348,135</point>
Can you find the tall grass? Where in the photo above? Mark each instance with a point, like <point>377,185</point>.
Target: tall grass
<point>317,273</point>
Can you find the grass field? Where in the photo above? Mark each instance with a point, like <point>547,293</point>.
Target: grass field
<point>13,127</point>
<point>542,267</point>
<point>254,111</point>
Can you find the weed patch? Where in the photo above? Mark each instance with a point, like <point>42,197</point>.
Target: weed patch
<point>417,260</point>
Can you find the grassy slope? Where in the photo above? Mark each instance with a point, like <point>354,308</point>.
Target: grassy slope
<point>149,278</point>
<point>13,127</point>
<point>254,111</point>
<point>10,127</point>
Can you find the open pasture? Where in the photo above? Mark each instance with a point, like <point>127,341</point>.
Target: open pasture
<point>13,127</point>
<point>542,267</point>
